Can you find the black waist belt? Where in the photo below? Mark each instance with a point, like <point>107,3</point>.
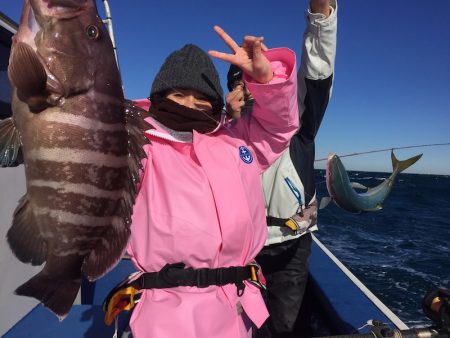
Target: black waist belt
<point>127,293</point>
<point>274,221</point>
<point>173,275</point>
<point>290,223</point>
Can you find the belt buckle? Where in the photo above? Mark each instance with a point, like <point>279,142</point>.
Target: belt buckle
<point>122,297</point>
<point>121,300</point>
<point>293,225</point>
<point>254,275</point>
<point>201,278</point>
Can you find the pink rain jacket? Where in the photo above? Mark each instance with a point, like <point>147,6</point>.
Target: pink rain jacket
<point>201,203</point>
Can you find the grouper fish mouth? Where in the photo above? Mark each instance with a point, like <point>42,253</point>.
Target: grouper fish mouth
<point>81,144</point>
<point>342,191</point>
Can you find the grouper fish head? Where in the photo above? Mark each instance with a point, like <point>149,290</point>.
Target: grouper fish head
<point>70,42</point>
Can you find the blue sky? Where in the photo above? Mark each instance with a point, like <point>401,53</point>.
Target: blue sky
<point>392,84</point>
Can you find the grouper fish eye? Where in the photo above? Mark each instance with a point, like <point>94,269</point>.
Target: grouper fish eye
<point>93,32</point>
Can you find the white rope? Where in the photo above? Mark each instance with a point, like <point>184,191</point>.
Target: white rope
<point>383,308</point>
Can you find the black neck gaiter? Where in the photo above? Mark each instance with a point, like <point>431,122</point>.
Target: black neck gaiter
<point>181,118</point>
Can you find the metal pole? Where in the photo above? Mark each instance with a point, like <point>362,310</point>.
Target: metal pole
<point>108,21</point>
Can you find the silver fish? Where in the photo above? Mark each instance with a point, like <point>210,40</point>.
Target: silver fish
<point>342,192</point>
<point>81,144</point>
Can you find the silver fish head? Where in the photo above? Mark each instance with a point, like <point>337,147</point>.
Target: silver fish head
<point>333,161</point>
<point>335,172</point>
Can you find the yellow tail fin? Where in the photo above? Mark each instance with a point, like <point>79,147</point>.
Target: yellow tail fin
<point>403,165</point>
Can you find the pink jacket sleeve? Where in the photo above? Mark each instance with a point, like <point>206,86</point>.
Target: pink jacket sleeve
<point>273,121</point>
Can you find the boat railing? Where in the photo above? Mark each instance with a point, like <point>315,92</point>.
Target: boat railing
<point>435,305</point>
<point>386,332</point>
<point>374,299</point>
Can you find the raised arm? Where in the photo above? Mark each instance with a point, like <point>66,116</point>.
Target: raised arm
<point>271,78</point>
<point>319,46</point>
<point>315,78</point>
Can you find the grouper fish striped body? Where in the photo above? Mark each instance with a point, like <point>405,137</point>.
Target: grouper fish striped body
<point>81,145</point>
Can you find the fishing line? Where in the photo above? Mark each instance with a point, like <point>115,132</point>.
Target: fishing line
<point>387,149</point>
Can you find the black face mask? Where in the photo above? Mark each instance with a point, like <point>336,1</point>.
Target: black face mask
<point>180,118</point>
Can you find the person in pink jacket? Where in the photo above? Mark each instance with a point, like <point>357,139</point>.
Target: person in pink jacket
<point>199,217</point>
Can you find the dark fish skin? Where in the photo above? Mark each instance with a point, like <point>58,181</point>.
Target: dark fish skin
<point>76,131</point>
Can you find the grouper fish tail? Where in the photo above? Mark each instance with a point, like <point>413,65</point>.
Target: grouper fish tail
<point>56,286</point>
<point>399,166</point>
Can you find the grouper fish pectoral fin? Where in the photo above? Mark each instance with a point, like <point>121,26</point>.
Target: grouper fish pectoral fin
<point>403,165</point>
<point>29,76</point>
<point>324,202</point>
<point>24,236</point>
<point>10,145</point>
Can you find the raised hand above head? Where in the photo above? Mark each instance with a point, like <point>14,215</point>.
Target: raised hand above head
<point>249,57</point>
<point>322,6</point>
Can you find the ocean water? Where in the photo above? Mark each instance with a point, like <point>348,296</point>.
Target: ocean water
<point>401,251</point>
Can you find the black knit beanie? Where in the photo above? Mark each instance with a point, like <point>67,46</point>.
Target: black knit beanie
<point>234,74</point>
<point>189,68</point>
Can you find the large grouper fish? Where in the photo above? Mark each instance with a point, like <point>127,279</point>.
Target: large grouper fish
<point>342,191</point>
<point>81,144</point>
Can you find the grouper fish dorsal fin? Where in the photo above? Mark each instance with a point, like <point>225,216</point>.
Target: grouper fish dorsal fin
<point>135,125</point>
<point>403,165</point>
<point>28,75</point>
<point>10,146</point>
<point>99,261</point>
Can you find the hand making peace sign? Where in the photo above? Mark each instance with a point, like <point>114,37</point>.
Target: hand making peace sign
<point>248,57</point>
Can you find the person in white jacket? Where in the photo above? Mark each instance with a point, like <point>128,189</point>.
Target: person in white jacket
<point>289,184</point>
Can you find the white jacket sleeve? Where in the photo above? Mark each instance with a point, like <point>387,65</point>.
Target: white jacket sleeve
<point>319,48</point>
